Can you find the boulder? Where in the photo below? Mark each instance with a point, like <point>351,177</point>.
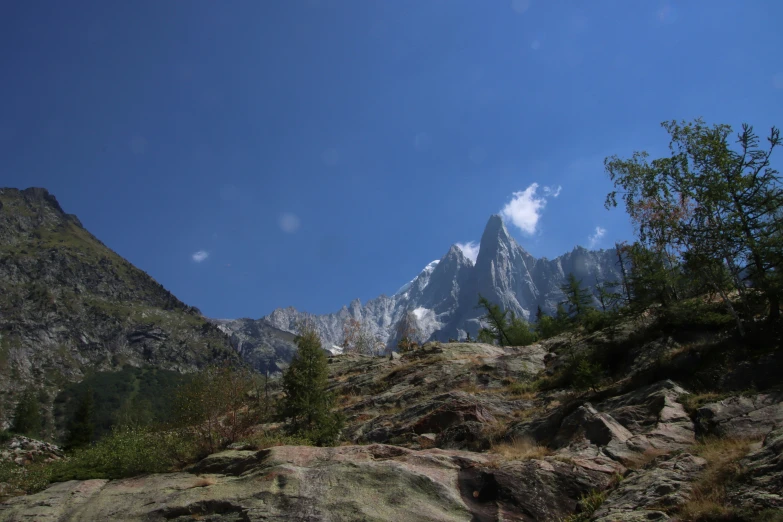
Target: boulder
<point>742,416</point>
<point>762,476</point>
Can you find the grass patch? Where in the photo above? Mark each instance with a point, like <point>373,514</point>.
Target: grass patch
<point>522,389</point>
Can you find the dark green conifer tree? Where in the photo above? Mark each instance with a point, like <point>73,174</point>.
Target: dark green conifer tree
<point>81,428</point>
<point>27,415</point>
<point>307,405</point>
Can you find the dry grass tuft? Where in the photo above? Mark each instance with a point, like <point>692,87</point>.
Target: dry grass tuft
<point>494,431</point>
<point>708,499</point>
<point>693,401</point>
<point>520,448</point>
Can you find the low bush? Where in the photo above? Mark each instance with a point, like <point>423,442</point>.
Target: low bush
<point>588,505</point>
<point>126,452</point>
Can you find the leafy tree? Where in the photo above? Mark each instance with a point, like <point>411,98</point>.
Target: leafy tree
<point>307,405</point>
<point>607,296</point>
<point>81,428</point>
<point>214,406</point>
<point>710,199</point>
<point>27,415</point>
<point>578,298</point>
<point>651,280</point>
<point>359,338</point>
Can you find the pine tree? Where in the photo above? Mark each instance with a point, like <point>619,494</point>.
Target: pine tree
<point>578,298</point>
<point>81,428</point>
<point>27,415</point>
<point>307,405</point>
<point>504,327</point>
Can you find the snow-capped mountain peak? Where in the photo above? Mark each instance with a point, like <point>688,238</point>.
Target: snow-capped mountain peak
<point>444,295</point>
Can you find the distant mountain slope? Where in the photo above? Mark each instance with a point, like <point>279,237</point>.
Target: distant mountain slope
<point>69,304</point>
<point>266,348</point>
<point>444,295</point>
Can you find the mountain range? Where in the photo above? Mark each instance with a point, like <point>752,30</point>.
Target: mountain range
<point>444,296</point>
<point>69,305</point>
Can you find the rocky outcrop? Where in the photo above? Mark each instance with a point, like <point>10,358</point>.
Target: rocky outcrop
<point>762,476</point>
<point>742,416</point>
<point>23,450</point>
<point>374,482</point>
<point>644,494</point>
<point>623,428</point>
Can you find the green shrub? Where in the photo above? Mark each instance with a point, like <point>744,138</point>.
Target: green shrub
<point>695,313</point>
<point>588,505</point>
<point>126,452</point>
<point>587,374</point>
<point>5,436</point>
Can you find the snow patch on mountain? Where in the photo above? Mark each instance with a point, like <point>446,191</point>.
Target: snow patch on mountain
<point>427,321</point>
<point>423,278</point>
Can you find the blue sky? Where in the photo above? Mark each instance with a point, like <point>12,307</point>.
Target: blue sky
<point>257,154</point>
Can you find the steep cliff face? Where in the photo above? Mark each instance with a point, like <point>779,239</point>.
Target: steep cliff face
<point>69,304</point>
<point>444,295</point>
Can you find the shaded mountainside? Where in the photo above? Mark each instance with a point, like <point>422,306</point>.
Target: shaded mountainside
<point>70,305</point>
<point>444,295</point>
<point>682,423</point>
<point>266,348</point>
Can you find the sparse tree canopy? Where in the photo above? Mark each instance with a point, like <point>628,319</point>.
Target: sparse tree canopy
<point>307,405</point>
<point>710,201</point>
<point>358,337</point>
<point>213,406</point>
<point>407,332</point>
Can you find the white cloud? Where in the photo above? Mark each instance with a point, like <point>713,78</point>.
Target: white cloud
<point>289,223</point>
<point>524,209</point>
<point>470,249</point>
<point>594,239</point>
<point>552,191</point>
<point>200,256</point>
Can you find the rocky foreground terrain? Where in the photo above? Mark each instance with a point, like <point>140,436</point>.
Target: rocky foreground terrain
<point>474,432</point>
